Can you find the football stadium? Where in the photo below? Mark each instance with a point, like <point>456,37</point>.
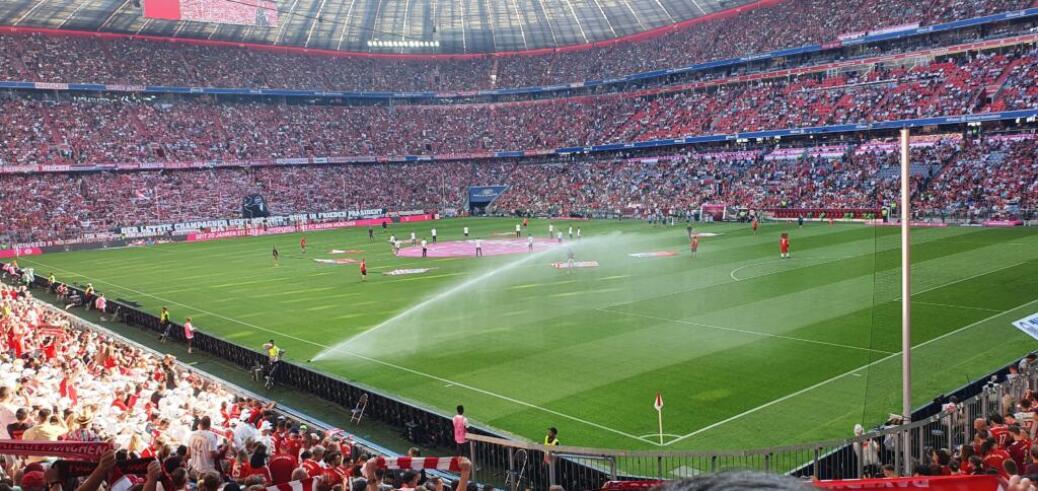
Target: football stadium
<point>331,245</point>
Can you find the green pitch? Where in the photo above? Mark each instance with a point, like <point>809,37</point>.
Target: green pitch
<point>748,350</point>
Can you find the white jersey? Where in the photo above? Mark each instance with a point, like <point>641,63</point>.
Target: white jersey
<point>517,227</point>
<point>434,232</point>
<point>466,230</point>
<point>479,243</point>
<point>424,243</point>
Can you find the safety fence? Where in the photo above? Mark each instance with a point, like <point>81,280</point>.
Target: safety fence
<point>523,465</point>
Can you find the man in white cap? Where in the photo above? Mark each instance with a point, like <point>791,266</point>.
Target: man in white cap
<point>243,431</point>
<point>266,436</point>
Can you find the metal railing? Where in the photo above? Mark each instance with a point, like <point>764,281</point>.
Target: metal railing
<point>500,461</point>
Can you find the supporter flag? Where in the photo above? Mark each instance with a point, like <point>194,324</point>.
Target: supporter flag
<point>659,402</point>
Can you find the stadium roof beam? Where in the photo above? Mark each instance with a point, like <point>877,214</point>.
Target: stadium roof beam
<point>460,26</point>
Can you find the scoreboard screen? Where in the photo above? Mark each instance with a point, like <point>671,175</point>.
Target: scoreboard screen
<point>262,13</point>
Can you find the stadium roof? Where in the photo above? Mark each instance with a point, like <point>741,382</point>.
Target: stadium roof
<point>459,26</point>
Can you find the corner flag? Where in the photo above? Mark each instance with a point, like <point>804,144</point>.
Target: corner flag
<point>659,413</point>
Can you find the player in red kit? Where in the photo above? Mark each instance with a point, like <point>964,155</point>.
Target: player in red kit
<point>694,245</point>
<point>784,246</point>
<point>302,244</point>
<point>363,269</point>
<point>753,223</point>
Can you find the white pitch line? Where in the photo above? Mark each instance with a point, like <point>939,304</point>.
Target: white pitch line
<point>978,275</point>
<point>845,374</point>
<point>825,260</point>
<point>982,309</point>
<point>745,331</point>
<point>372,360</point>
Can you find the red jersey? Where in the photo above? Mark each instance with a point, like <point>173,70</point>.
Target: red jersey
<point>313,468</point>
<point>1019,450</point>
<point>754,223</point>
<point>240,470</point>
<point>695,244</point>
<point>995,460</point>
<point>1001,435</point>
<point>363,267</point>
<point>50,351</point>
<point>68,391</point>
<point>335,475</point>
<point>784,244</point>
<point>302,243</point>
<point>292,446</point>
<point>261,471</point>
<point>281,467</point>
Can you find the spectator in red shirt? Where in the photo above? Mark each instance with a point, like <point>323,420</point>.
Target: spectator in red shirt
<point>1032,465</point>
<point>258,465</point>
<point>281,467</point>
<point>334,473</point>
<point>20,424</point>
<point>979,438</point>
<point>994,457</point>
<point>940,462</point>
<point>1019,447</point>
<point>998,430</point>
<point>312,460</point>
<point>292,443</point>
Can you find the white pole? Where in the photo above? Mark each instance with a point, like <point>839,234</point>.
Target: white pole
<point>906,287</point>
<point>659,413</point>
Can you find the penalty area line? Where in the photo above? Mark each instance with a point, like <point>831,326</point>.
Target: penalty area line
<point>367,358</point>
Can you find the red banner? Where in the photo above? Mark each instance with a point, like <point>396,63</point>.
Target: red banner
<point>21,251</point>
<point>417,218</point>
<point>1004,223</point>
<point>70,450</point>
<point>938,483</point>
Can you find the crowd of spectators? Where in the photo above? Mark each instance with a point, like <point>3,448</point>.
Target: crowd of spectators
<point>953,177</point>
<point>45,58</point>
<point>999,444</point>
<point>129,129</point>
<point>59,382</point>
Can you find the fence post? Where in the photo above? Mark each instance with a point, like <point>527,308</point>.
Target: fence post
<point>551,470</point>
<point>815,465</point>
<point>472,460</point>
<point>906,449</point>
<point>860,465</point>
<point>511,464</point>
